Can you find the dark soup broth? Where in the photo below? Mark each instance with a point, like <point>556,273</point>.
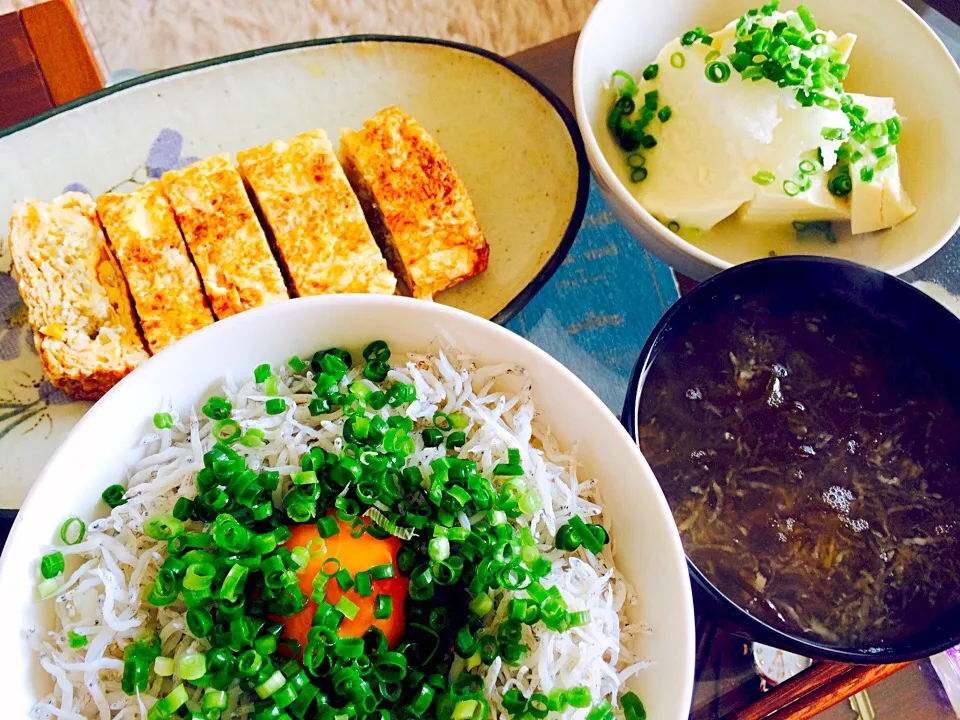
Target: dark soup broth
<point>810,455</point>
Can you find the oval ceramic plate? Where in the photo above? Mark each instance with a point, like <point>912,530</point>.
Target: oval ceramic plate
<point>515,145</point>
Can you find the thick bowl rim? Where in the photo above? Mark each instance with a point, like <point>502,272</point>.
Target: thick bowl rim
<point>757,628</point>
<point>553,263</point>
<point>440,313</point>
<point>600,165</point>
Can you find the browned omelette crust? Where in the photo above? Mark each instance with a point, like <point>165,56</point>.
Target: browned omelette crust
<point>415,201</point>
<point>77,300</point>
<point>143,234</point>
<point>226,241</point>
<point>316,221</point>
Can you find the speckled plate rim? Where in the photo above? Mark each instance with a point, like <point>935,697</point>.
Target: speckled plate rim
<point>738,618</point>
<point>556,258</point>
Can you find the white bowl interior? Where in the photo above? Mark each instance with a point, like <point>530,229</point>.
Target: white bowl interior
<point>896,55</point>
<point>103,444</point>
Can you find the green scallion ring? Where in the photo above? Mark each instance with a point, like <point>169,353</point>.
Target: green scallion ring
<point>71,536</point>
<point>162,527</point>
<point>678,60</point>
<point>638,174</point>
<point>711,56</point>
<point>673,226</point>
<point>114,496</point>
<point>791,188</point>
<point>764,177</point>
<point>717,72</point>
<point>808,167</point>
<point>651,71</point>
<point>840,185</point>
<point>227,430</point>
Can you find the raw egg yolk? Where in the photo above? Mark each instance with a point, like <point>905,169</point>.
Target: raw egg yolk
<point>355,555</point>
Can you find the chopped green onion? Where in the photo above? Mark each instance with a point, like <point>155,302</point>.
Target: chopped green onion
<point>217,408</point>
<point>113,496</point>
<point>833,134</point>
<point>886,161</point>
<point>261,373</point>
<point>162,527</point>
<point>227,430</point>
<point>52,565</point>
<point>347,607</point>
<point>665,113</point>
<point>791,188</point>
<point>866,174</point>
<point>632,707</point>
<point>362,584</point>
<point>678,60</point>
<point>276,406</point>
<point>193,665</point>
<point>764,177</point>
<point>806,17</point>
<point>327,526</point>
<point>271,385</point>
<point>382,572</point>
<point>711,56</point>
<point>252,438</point>
<point>163,421</point>
<point>296,364</point>
<point>840,185</point>
<point>651,71</point>
<point>808,167</point>
<point>163,666</point>
<point>382,607</point>
<point>75,640</point>
<point>73,531</point>
<point>717,72</point>
<point>638,174</point>
<point>270,685</point>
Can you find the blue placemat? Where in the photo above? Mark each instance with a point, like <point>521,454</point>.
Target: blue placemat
<point>596,313</point>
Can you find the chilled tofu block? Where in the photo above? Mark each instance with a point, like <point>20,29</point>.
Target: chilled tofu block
<point>882,202</point>
<point>314,217</point>
<point>719,135</point>
<point>415,202</point>
<point>166,291</point>
<point>77,300</point>
<point>223,234</point>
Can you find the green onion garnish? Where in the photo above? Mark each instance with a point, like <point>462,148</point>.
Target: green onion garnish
<point>162,421</point>
<point>678,60</point>
<point>711,56</point>
<point>651,71</point>
<point>52,565</point>
<point>717,72</point>
<point>383,607</point>
<point>632,707</point>
<point>162,527</point>
<point>261,373</point>
<point>866,174</point>
<point>276,406</point>
<point>764,177</point>
<point>806,17</point>
<point>886,161</point>
<point>113,496</point>
<point>73,531</point>
<point>638,174</point>
<point>665,113</point>
<point>791,188</point>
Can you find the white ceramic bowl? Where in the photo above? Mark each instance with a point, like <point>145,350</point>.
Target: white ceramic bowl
<point>98,450</point>
<point>896,55</point>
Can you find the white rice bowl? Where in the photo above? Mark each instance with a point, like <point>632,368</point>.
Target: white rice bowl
<point>109,574</point>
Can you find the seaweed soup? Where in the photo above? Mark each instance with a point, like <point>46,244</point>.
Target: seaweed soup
<point>810,455</point>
